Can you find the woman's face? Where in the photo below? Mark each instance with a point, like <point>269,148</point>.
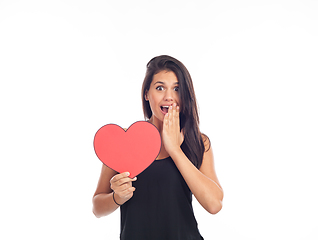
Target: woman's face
<point>163,93</point>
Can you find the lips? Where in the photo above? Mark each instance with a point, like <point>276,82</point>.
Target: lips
<point>164,109</point>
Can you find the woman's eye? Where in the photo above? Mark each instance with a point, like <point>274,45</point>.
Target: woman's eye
<point>176,89</point>
<point>160,88</point>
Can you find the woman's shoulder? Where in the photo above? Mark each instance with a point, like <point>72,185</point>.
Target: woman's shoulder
<point>206,141</point>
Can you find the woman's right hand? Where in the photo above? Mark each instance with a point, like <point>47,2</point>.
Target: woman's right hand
<point>121,184</point>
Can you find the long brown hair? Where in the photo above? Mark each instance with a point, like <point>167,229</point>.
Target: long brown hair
<point>193,144</point>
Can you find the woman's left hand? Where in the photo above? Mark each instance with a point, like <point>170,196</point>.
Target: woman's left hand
<point>171,136</point>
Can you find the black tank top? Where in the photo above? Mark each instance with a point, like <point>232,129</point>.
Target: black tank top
<point>161,207</point>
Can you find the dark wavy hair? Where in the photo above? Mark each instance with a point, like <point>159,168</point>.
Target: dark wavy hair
<point>193,145</point>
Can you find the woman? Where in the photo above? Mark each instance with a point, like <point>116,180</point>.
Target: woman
<point>159,204</point>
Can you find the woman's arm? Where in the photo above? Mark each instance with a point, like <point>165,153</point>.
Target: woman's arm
<point>103,203</point>
<point>109,181</point>
<point>202,182</point>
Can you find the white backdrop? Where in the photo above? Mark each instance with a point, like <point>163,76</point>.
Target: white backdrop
<point>69,67</point>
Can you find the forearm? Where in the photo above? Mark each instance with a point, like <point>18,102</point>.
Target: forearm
<point>208,193</point>
<point>103,204</point>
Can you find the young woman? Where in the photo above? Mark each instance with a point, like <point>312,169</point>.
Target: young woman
<point>158,203</point>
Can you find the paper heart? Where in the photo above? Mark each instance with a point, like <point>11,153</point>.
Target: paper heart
<point>130,151</point>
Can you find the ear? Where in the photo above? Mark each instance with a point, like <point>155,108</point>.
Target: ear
<point>146,95</point>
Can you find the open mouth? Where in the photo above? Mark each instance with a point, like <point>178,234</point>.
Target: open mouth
<point>164,109</point>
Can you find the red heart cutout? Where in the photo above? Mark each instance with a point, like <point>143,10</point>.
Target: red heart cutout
<point>128,151</point>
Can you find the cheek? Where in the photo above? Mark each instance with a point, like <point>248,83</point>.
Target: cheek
<point>154,97</point>
<point>153,100</point>
<point>177,98</point>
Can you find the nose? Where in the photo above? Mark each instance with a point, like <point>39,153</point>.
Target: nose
<point>169,96</point>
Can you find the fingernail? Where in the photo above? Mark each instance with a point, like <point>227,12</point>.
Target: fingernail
<point>174,104</point>
<point>170,107</point>
<point>127,173</point>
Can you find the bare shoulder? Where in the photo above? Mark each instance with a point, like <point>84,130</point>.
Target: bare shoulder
<point>206,141</point>
<point>207,167</point>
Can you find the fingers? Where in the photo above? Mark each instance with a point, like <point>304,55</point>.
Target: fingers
<point>172,136</point>
<point>175,111</point>
<point>173,115</point>
<point>122,178</point>
<point>119,181</point>
<point>121,184</point>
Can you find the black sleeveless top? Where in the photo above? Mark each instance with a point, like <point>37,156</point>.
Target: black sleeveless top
<point>161,207</point>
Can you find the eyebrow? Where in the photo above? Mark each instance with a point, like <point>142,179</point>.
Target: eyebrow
<point>159,82</point>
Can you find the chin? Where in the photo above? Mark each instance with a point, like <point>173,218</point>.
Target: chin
<point>159,117</point>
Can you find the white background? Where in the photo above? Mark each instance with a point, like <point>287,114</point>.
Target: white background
<point>69,67</point>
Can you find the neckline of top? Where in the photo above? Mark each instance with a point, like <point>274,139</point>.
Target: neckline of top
<point>162,159</point>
